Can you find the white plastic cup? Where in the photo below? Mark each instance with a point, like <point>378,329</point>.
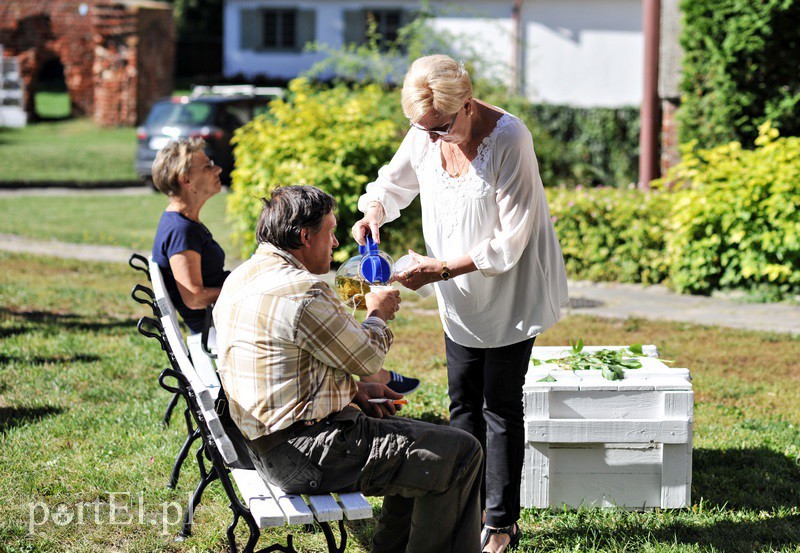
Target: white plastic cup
<point>406,262</point>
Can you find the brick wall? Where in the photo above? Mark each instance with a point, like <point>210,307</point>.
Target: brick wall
<point>670,153</point>
<point>100,45</point>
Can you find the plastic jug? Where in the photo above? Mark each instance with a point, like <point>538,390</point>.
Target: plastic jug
<point>356,277</point>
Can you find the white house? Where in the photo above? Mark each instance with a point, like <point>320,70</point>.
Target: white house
<point>586,53</point>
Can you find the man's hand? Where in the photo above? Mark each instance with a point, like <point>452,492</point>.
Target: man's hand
<point>369,224</point>
<point>383,303</point>
<point>373,390</point>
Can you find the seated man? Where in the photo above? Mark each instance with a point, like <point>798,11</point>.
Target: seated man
<point>288,351</point>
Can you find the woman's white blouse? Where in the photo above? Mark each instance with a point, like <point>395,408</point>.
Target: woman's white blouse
<point>497,213</point>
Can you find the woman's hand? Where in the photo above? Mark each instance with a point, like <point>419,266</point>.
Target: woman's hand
<point>424,271</point>
<point>369,224</point>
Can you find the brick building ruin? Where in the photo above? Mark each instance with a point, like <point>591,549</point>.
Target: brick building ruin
<point>117,55</point>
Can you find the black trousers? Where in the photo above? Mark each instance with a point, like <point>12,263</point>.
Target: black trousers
<point>485,387</point>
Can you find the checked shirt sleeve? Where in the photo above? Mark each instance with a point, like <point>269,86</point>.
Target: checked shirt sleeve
<point>334,337</point>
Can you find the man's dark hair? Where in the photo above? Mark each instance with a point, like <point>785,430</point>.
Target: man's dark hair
<point>289,210</point>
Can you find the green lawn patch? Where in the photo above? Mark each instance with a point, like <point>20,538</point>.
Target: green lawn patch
<point>70,150</point>
<point>52,105</point>
<point>117,220</point>
<point>80,412</point>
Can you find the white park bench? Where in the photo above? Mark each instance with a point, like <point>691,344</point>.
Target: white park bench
<point>262,504</point>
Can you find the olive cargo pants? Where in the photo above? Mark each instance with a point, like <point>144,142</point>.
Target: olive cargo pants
<point>429,476</point>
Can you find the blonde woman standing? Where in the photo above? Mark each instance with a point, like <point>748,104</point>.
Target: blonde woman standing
<point>492,255</point>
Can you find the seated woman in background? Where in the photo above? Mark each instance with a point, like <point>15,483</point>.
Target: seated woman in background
<point>191,261</point>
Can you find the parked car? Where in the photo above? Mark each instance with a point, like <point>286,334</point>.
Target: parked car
<point>211,113</point>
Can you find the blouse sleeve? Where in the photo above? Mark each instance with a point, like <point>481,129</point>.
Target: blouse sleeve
<point>518,191</point>
<point>397,184</point>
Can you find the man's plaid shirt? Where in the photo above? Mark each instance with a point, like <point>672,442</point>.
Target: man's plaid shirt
<point>287,348</point>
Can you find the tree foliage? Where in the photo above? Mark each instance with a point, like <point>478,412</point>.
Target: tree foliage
<point>740,69</point>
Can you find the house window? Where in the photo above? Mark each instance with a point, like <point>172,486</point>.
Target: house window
<point>279,28</point>
<point>387,24</point>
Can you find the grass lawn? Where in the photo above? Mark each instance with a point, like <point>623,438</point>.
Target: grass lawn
<point>70,150</point>
<point>52,105</point>
<point>118,220</point>
<point>80,429</point>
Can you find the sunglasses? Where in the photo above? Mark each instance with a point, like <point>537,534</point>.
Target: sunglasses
<point>440,131</point>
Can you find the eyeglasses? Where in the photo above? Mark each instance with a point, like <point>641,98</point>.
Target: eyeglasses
<point>440,131</point>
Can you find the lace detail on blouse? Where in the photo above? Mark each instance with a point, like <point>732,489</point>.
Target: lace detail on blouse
<point>451,194</point>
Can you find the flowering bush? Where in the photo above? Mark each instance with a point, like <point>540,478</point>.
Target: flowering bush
<point>735,221</point>
<point>333,138</point>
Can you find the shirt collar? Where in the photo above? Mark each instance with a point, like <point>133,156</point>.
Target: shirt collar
<point>269,249</point>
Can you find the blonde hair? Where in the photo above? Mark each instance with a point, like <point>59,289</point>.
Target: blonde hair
<point>437,82</point>
<point>174,160</point>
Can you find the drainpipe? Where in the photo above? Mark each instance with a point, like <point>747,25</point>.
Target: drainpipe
<point>650,119</point>
<point>516,18</point>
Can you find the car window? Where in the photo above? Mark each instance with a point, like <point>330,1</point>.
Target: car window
<point>236,115</point>
<point>191,114</point>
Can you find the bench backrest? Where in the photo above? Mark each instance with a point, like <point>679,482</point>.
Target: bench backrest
<point>169,316</point>
<point>205,397</point>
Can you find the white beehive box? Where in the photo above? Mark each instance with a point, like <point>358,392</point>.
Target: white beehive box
<point>600,443</point>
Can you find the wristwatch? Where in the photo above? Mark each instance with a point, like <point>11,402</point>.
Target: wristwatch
<point>445,274</point>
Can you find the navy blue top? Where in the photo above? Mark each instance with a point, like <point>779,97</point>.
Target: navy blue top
<point>177,234</point>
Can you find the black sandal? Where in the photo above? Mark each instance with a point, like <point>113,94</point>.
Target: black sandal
<point>512,531</point>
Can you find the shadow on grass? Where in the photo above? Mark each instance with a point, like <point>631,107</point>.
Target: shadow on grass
<point>12,417</point>
<point>54,359</point>
<point>69,320</point>
<point>12,331</point>
<point>360,531</point>
<point>737,536</point>
<point>757,479</point>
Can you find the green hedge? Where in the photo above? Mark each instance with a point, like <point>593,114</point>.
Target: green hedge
<point>577,146</point>
<point>585,146</point>
<point>611,234</point>
<point>736,221</point>
<point>731,222</point>
<point>739,69</point>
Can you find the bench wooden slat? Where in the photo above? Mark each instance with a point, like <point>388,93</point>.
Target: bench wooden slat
<point>203,364</point>
<point>325,508</point>
<point>204,399</point>
<point>293,506</point>
<point>355,506</point>
<point>169,317</point>
<point>258,498</point>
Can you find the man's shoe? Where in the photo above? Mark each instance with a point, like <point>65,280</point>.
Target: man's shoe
<point>402,384</point>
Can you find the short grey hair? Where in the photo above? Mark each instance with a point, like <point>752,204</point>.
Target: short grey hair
<point>174,160</point>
